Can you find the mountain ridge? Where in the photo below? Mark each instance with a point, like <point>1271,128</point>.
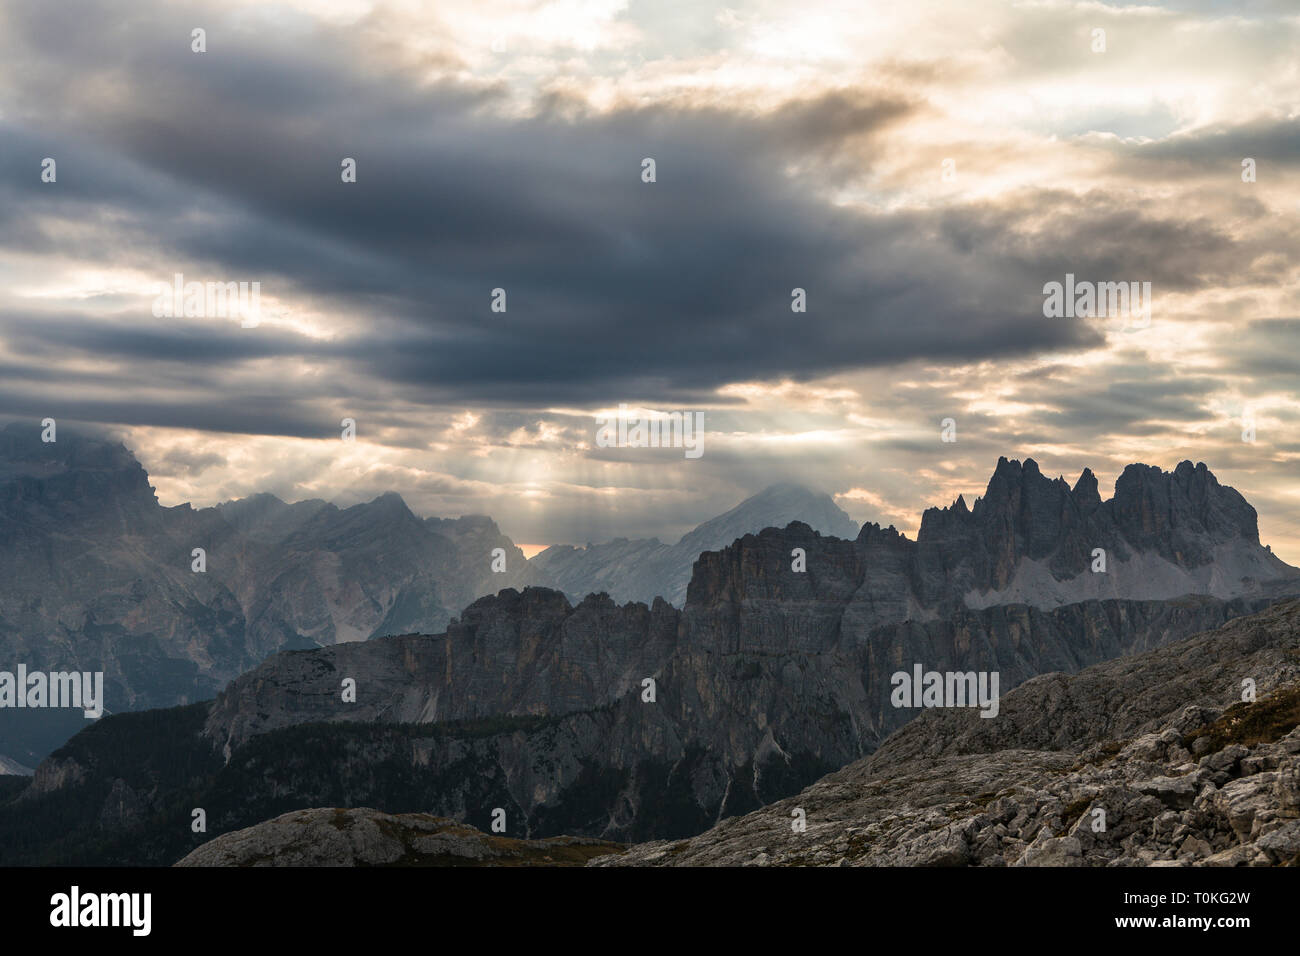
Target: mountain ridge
<point>97,575</point>
<point>641,569</point>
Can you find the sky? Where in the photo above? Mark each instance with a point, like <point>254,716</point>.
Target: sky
<point>920,169</point>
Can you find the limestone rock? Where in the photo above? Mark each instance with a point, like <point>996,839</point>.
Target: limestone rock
<point>366,837</point>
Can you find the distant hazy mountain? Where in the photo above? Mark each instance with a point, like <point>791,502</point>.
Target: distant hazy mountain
<point>8,766</point>
<point>646,568</point>
<point>96,575</point>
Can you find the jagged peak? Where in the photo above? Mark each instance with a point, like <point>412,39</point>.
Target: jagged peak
<point>774,506</point>
<point>1015,470</point>
<point>1183,472</point>
<point>1186,471</point>
<point>1137,470</point>
<point>532,596</point>
<point>1085,491</point>
<point>872,532</point>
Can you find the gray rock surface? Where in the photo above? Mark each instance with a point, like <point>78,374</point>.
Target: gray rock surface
<point>1030,540</point>
<point>1024,789</point>
<point>367,837</point>
<point>764,682</point>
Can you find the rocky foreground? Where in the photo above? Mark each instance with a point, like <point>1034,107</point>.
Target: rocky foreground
<point>366,837</point>
<point>1152,760</point>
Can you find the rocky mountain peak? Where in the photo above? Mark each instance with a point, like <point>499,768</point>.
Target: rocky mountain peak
<point>643,569</point>
<point>1182,514</point>
<point>773,507</point>
<point>1085,492</point>
<point>97,574</point>
<point>1028,533</point>
<point>79,476</point>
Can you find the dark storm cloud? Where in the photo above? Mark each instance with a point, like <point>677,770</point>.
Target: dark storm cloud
<point>1214,154</point>
<point>149,339</point>
<point>1105,235</point>
<point>225,166</point>
<point>616,289</point>
<point>1118,406</point>
<point>229,412</point>
<point>1268,355</point>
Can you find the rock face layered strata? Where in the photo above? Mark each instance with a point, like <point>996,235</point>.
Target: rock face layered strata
<point>1149,760</point>
<point>735,722</point>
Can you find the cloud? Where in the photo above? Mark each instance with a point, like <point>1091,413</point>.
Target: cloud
<point>794,148</point>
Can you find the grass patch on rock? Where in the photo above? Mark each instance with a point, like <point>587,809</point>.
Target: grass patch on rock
<point>1248,724</point>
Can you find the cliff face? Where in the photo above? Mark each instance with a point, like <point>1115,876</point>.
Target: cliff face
<point>1031,539</point>
<point>1153,759</point>
<point>514,654</point>
<point>779,666</point>
<point>727,733</point>
<point>768,678</point>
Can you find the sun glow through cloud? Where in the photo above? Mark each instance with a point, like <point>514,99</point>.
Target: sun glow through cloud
<point>921,171</point>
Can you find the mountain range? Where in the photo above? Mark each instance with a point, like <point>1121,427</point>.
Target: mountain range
<point>643,569</point>
<point>96,575</point>
<point>639,722</point>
